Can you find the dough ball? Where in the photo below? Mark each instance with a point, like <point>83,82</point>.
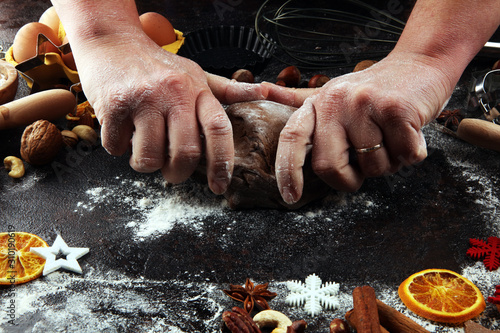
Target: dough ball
<point>256,129</point>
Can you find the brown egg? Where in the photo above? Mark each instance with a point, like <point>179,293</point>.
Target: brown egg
<point>158,28</point>
<point>68,58</point>
<point>51,19</point>
<point>26,40</point>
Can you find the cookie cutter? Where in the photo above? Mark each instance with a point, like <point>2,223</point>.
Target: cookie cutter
<point>485,94</point>
<point>46,69</point>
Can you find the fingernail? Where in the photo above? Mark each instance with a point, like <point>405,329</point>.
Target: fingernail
<point>422,147</point>
<point>288,196</point>
<point>221,182</point>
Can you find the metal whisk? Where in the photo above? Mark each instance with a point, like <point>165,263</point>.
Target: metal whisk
<point>328,34</point>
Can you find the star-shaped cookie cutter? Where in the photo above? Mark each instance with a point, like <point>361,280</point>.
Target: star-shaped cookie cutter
<point>45,69</point>
<point>60,247</point>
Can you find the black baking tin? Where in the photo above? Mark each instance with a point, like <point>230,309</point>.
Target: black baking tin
<point>224,49</point>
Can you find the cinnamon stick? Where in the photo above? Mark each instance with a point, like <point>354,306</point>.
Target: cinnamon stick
<point>365,307</point>
<point>395,321</point>
<point>352,320</point>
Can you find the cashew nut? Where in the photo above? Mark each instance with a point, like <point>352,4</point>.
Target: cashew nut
<point>15,165</point>
<point>272,318</point>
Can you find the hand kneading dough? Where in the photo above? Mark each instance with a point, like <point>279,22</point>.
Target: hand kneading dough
<point>256,129</point>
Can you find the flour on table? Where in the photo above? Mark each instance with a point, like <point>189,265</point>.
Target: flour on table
<point>157,207</point>
<point>64,302</point>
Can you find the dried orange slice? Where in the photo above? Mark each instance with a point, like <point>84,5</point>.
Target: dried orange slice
<point>81,109</point>
<point>17,263</point>
<point>442,295</point>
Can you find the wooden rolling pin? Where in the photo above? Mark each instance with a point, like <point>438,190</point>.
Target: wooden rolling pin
<point>479,132</point>
<point>49,105</point>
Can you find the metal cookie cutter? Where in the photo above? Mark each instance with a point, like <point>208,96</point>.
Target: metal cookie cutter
<point>486,95</point>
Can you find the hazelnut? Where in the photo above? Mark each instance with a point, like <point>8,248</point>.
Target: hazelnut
<point>298,326</point>
<point>86,133</point>
<point>70,139</point>
<point>317,81</point>
<point>496,65</point>
<point>339,326</point>
<point>243,75</point>
<point>41,142</point>
<point>290,75</point>
<point>363,65</point>
<point>281,83</point>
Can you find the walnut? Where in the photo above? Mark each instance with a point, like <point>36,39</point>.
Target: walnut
<point>41,142</point>
<point>238,321</point>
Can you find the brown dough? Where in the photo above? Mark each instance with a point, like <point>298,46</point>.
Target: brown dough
<point>256,129</point>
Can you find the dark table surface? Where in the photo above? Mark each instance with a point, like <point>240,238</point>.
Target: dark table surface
<point>161,255</point>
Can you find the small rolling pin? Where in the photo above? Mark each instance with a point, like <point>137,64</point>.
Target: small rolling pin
<point>49,105</point>
<point>480,132</point>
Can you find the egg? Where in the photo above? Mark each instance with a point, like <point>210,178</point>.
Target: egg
<point>26,40</point>
<point>158,28</point>
<point>51,19</point>
<point>67,58</point>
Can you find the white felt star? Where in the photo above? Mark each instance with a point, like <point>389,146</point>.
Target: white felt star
<point>60,247</point>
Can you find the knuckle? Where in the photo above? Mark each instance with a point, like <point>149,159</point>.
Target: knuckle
<point>148,164</point>
<point>292,134</point>
<point>175,82</point>
<point>187,153</point>
<point>218,125</point>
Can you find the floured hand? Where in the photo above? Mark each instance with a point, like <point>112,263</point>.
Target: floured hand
<point>387,103</point>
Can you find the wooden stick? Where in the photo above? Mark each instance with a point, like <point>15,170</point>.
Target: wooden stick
<point>352,320</point>
<point>365,306</point>
<point>395,321</point>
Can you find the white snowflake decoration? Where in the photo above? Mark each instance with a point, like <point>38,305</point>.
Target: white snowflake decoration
<point>313,294</point>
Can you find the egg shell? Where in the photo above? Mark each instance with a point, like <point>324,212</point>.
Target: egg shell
<point>158,28</point>
<point>26,40</point>
<point>51,19</point>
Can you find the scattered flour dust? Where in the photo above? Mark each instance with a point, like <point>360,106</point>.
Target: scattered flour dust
<point>64,302</point>
<point>156,208</point>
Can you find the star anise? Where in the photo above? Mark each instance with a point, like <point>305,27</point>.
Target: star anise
<point>451,118</point>
<point>251,295</point>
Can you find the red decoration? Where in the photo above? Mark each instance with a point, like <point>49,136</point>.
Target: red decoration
<point>490,250</point>
<point>495,299</point>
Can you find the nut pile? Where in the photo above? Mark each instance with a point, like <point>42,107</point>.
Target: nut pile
<point>42,141</point>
